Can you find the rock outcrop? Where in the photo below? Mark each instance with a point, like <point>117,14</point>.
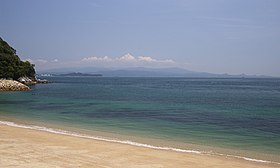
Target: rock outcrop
<point>27,81</point>
<point>12,85</point>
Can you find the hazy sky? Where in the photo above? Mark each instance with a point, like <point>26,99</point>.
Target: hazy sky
<point>218,36</point>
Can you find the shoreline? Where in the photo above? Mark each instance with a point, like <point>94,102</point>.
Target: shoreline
<point>233,160</point>
<point>141,140</point>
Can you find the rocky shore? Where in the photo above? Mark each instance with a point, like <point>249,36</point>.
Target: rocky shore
<point>12,85</point>
<point>28,81</point>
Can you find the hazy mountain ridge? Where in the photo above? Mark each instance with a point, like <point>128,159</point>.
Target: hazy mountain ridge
<point>146,72</point>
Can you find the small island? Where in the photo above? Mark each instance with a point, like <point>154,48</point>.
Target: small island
<point>15,74</point>
<point>78,74</point>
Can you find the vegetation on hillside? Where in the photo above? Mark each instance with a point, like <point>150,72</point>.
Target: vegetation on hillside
<point>10,64</point>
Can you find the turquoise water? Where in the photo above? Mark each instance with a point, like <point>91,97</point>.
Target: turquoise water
<point>240,114</point>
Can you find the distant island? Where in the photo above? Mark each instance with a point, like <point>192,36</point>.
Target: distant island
<point>78,74</point>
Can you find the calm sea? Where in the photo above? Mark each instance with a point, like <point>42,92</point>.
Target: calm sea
<point>232,115</point>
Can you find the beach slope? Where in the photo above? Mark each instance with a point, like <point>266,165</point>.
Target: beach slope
<point>20,147</point>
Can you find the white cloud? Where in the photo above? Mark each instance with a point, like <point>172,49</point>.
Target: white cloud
<point>147,59</point>
<point>128,59</point>
<point>125,61</point>
<point>44,64</point>
<point>55,60</point>
<point>150,59</point>
<point>93,59</point>
<point>37,61</point>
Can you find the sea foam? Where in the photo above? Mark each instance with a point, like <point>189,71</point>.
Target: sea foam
<point>127,142</point>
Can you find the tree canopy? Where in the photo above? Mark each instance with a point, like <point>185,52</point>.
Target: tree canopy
<point>10,64</point>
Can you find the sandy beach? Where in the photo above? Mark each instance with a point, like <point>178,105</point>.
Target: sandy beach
<point>20,147</point>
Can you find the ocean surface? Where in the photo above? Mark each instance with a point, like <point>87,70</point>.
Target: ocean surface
<point>238,117</point>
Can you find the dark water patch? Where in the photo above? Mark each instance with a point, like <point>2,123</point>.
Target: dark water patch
<point>123,113</point>
<point>47,107</point>
<point>15,102</point>
<point>66,112</point>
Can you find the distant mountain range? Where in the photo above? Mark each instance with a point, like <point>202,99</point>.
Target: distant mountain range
<point>141,72</point>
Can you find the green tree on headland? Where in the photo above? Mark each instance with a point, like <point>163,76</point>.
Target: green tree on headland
<point>10,64</point>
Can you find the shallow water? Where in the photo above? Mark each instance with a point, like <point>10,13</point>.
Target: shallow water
<point>239,114</point>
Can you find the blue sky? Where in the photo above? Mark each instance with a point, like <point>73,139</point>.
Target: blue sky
<point>218,36</point>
